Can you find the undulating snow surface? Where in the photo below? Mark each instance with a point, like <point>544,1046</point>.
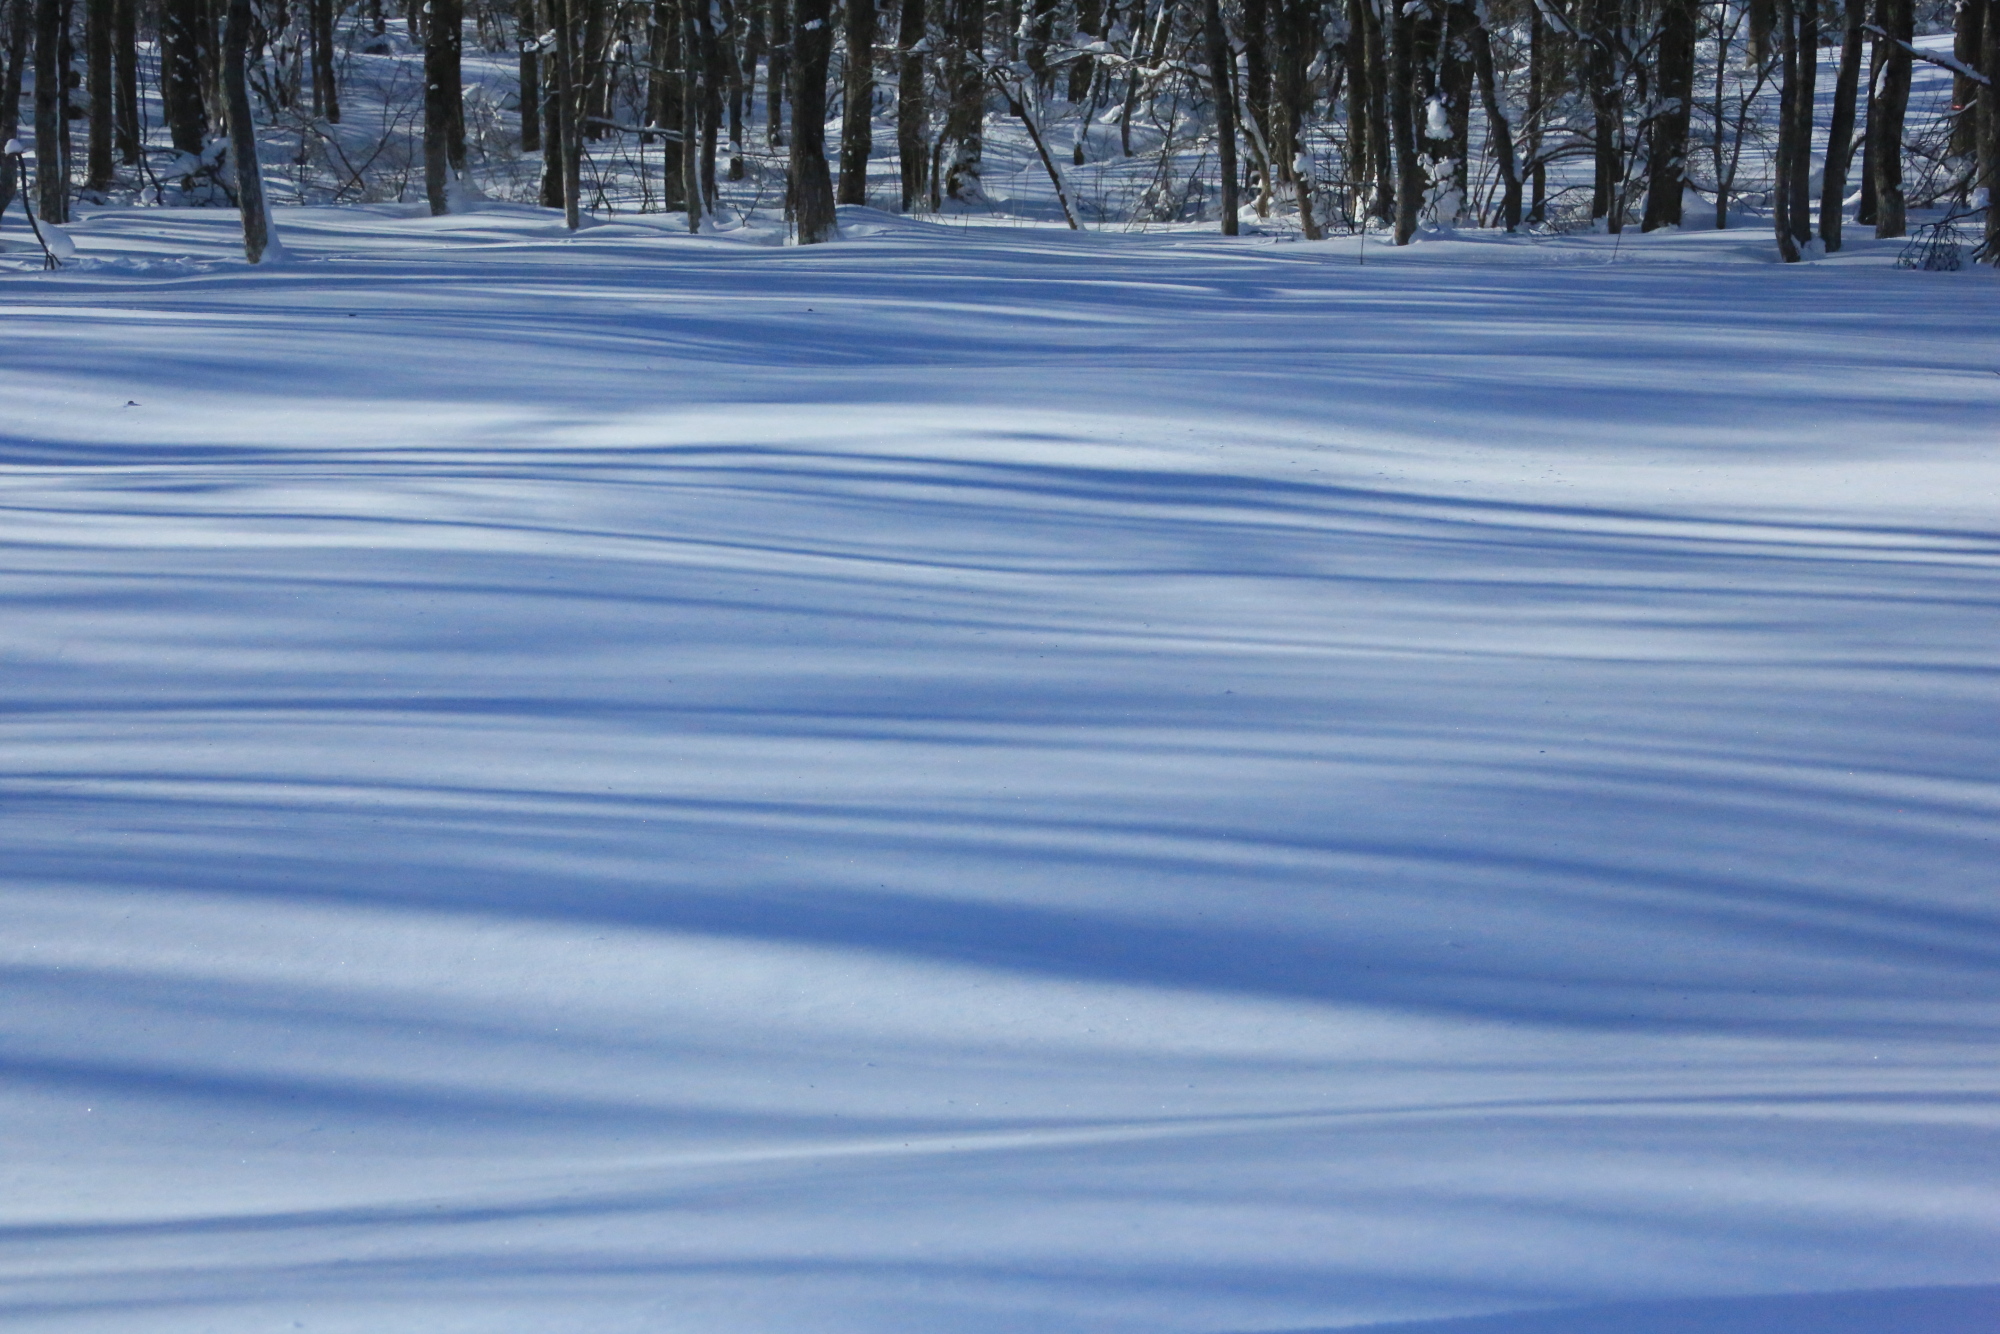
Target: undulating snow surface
<point>993,780</point>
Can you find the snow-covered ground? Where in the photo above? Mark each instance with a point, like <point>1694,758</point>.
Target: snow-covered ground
<point>995,780</point>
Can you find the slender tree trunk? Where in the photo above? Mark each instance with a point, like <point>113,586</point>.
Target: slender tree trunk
<point>528,34</point>
<point>99,18</point>
<point>693,185</point>
<point>1666,169</point>
<point>442,98</point>
<point>1538,96</point>
<point>857,102</point>
<point>51,179</point>
<point>912,132</point>
<point>1805,18</point>
<point>243,134</point>
<point>1601,66</point>
<point>732,73</point>
<point>778,74</point>
<point>1361,164</point>
<point>182,55</point>
<point>1403,124</point>
<point>1864,211</point>
<point>1500,134</point>
<point>19,26</point>
<point>568,134</point>
<point>551,12</point>
<point>1789,164</point>
<point>1381,94</point>
<point>1292,104</point>
<point>965,124</point>
<point>1221,61</point>
<point>812,181</point>
<point>326,83</point>
<point>1899,23</point>
<point>1840,131</point>
<point>1967,47</point>
<point>1988,114</point>
<point>1256,108</point>
<point>715,75</point>
<point>125,81</point>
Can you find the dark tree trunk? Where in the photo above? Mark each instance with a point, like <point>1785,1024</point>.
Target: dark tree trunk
<point>1790,157</point>
<point>562,128</point>
<point>1608,162</point>
<point>183,43</point>
<point>1988,115</point>
<point>1864,210</point>
<point>1539,82</point>
<point>1221,60</point>
<point>778,74</point>
<point>1666,167</point>
<point>1403,124</point>
<point>442,102</point>
<point>1899,23</point>
<point>1840,131</point>
<point>857,103</point>
<point>1967,47</point>
<point>693,186</point>
<point>51,177</point>
<point>19,26</point>
<point>551,108</point>
<point>1292,104</point>
<point>243,134</point>
<point>1256,15</point>
<point>1500,134</point>
<point>965,124</point>
<point>1381,93</point>
<point>1361,164</point>
<point>527,37</point>
<point>99,18</point>
<point>593,67</point>
<point>1805,19</point>
<point>732,73</point>
<point>125,81</point>
<point>812,181</point>
<point>911,130</point>
<point>326,87</point>
<point>714,75</point>
<point>663,100</point>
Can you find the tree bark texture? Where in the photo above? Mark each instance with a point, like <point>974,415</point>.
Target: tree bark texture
<point>812,181</point>
<point>857,102</point>
<point>243,134</point>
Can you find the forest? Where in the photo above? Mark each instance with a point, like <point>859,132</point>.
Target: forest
<point>1322,116</point>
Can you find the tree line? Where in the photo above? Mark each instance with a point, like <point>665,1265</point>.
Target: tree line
<point>1341,113</point>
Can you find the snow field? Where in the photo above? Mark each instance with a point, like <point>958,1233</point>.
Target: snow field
<point>991,780</point>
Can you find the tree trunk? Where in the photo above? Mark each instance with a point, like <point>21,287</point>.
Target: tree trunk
<point>1790,152</point>
<point>857,102</point>
<point>18,29</point>
<point>1887,127</point>
<point>1967,46</point>
<point>777,75</point>
<point>732,74</point>
<point>243,134</point>
<point>51,178</point>
<point>326,84</point>
<point>1608,161</point>
<point>911,130</point>
<point>1403,124</point>
<point>1538,86</point>
<point>1362,166</point>
<point>568,134</point>
<point>1256,20</point>
<point>1221,60</point>
<point>1292,104</point>
<point>1381,81</point>
<point>1988,114</point>
<point>551,109</point>
<point>965,124</point>
<point>99,17</point>
<point>1499,134</point>
<point>1805,19</point>
<point>125,81</point>
<point>442,98</point>
<point>714,75</point>
<point>1864,211</point>
<point>1840,131</point>
<point>182,54</point>
<point>527,37</point>
<point>812,181</point>
<point>693,190</point>
<point>1666,168</point>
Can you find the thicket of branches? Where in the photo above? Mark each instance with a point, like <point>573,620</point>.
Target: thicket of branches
<point>1338,114</point>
